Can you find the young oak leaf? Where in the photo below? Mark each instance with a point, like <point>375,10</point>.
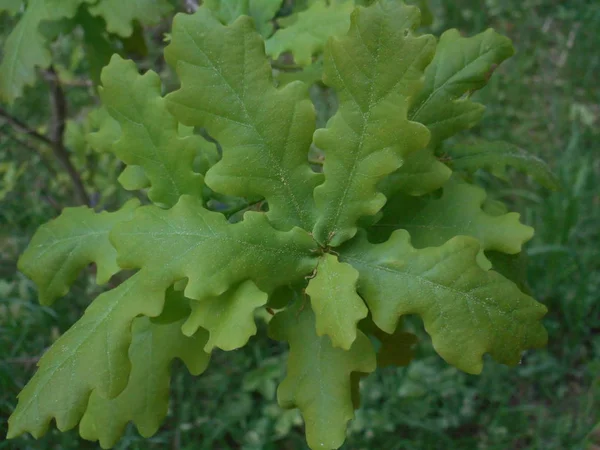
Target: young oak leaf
<point>375,69</point>
<point>460,66</point>
<point>265,132</point>
<point>189,241</point>
<point>145,400</point>
<point>26,48</point>
<point>466,310</point>
<point>106,130</point>
<point>318,380</point>
<point>61,248</point>
<point>307,34</point>
<point>431,222</point>
<point>228,318</point>
<point>120,15</point>
<point>496,156</point>
<point>420,174</point>
<point>149,133</point>
<point>337,306</point>
<point>90,356</point>
<point>133,178</point>
<point>262,11</point>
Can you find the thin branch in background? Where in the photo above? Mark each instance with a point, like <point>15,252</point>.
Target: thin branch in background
<point>23,128</point>
<point>77,82</point>
<point>58,107</point>
<point>55,141</point>
<point>32,149</point>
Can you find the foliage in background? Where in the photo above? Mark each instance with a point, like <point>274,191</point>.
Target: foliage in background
<point>548,402</point>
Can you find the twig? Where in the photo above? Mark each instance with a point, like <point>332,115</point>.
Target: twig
<point>58,106</point>
<point>57,130</point>
<point>31,149</point>
<point>23,128</point>
<point>77,82</point>
<point>25,360</point>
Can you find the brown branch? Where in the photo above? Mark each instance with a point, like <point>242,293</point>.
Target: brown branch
<point>23,128</point>
<point>32,149</point>
<point>55,141</point>
<point>58,106</point>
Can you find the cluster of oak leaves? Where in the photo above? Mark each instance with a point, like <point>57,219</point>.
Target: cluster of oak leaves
<point>383,221</point>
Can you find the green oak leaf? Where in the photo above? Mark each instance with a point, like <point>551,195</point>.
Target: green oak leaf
<point>496,156</point>
<point>229,318</point>
<point>420,174</point>
<point>26,47</point>
<point>206,157</point>
<point>309,75</point>
<point>173,244</point>
<point>466,310</point>
<point>513,267</point>
<point>120,16</point>
<point>395,349</point>
<point>90,356</point>
<point>97,44</point>
<point>63,247</point>
<point>337,306</point>
<point>149,133</point>
<point>374,70</point>
<point>426,13</point>
<point>133,178</point>
<point>262,11</point>
<point>318,376</point>
<point>106,130</point>
<point>145,400</point>
<point>458,212</point>
<point>307,34</point>
<point>460,66</point>
<point>264,132</point>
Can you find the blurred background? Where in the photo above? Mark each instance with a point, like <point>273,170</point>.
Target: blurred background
<point>545,99</point>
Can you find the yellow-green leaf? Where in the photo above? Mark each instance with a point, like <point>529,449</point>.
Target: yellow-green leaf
<point>265,132</point>
<point>375,70</point>
<point>337,306</point>
<point>318,376</point>
<point>466,310</point>
<point>145,400</point>
<point>229,318</point>
<point>63,247</point>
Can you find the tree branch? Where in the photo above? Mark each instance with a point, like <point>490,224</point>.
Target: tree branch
<point>23,128</point>
<point>31,149</point>
<point>56,136</point>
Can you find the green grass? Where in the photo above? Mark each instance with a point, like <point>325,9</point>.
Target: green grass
<point>544,99</point>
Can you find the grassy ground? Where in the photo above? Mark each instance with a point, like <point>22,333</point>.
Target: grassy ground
<point>545,99</point>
